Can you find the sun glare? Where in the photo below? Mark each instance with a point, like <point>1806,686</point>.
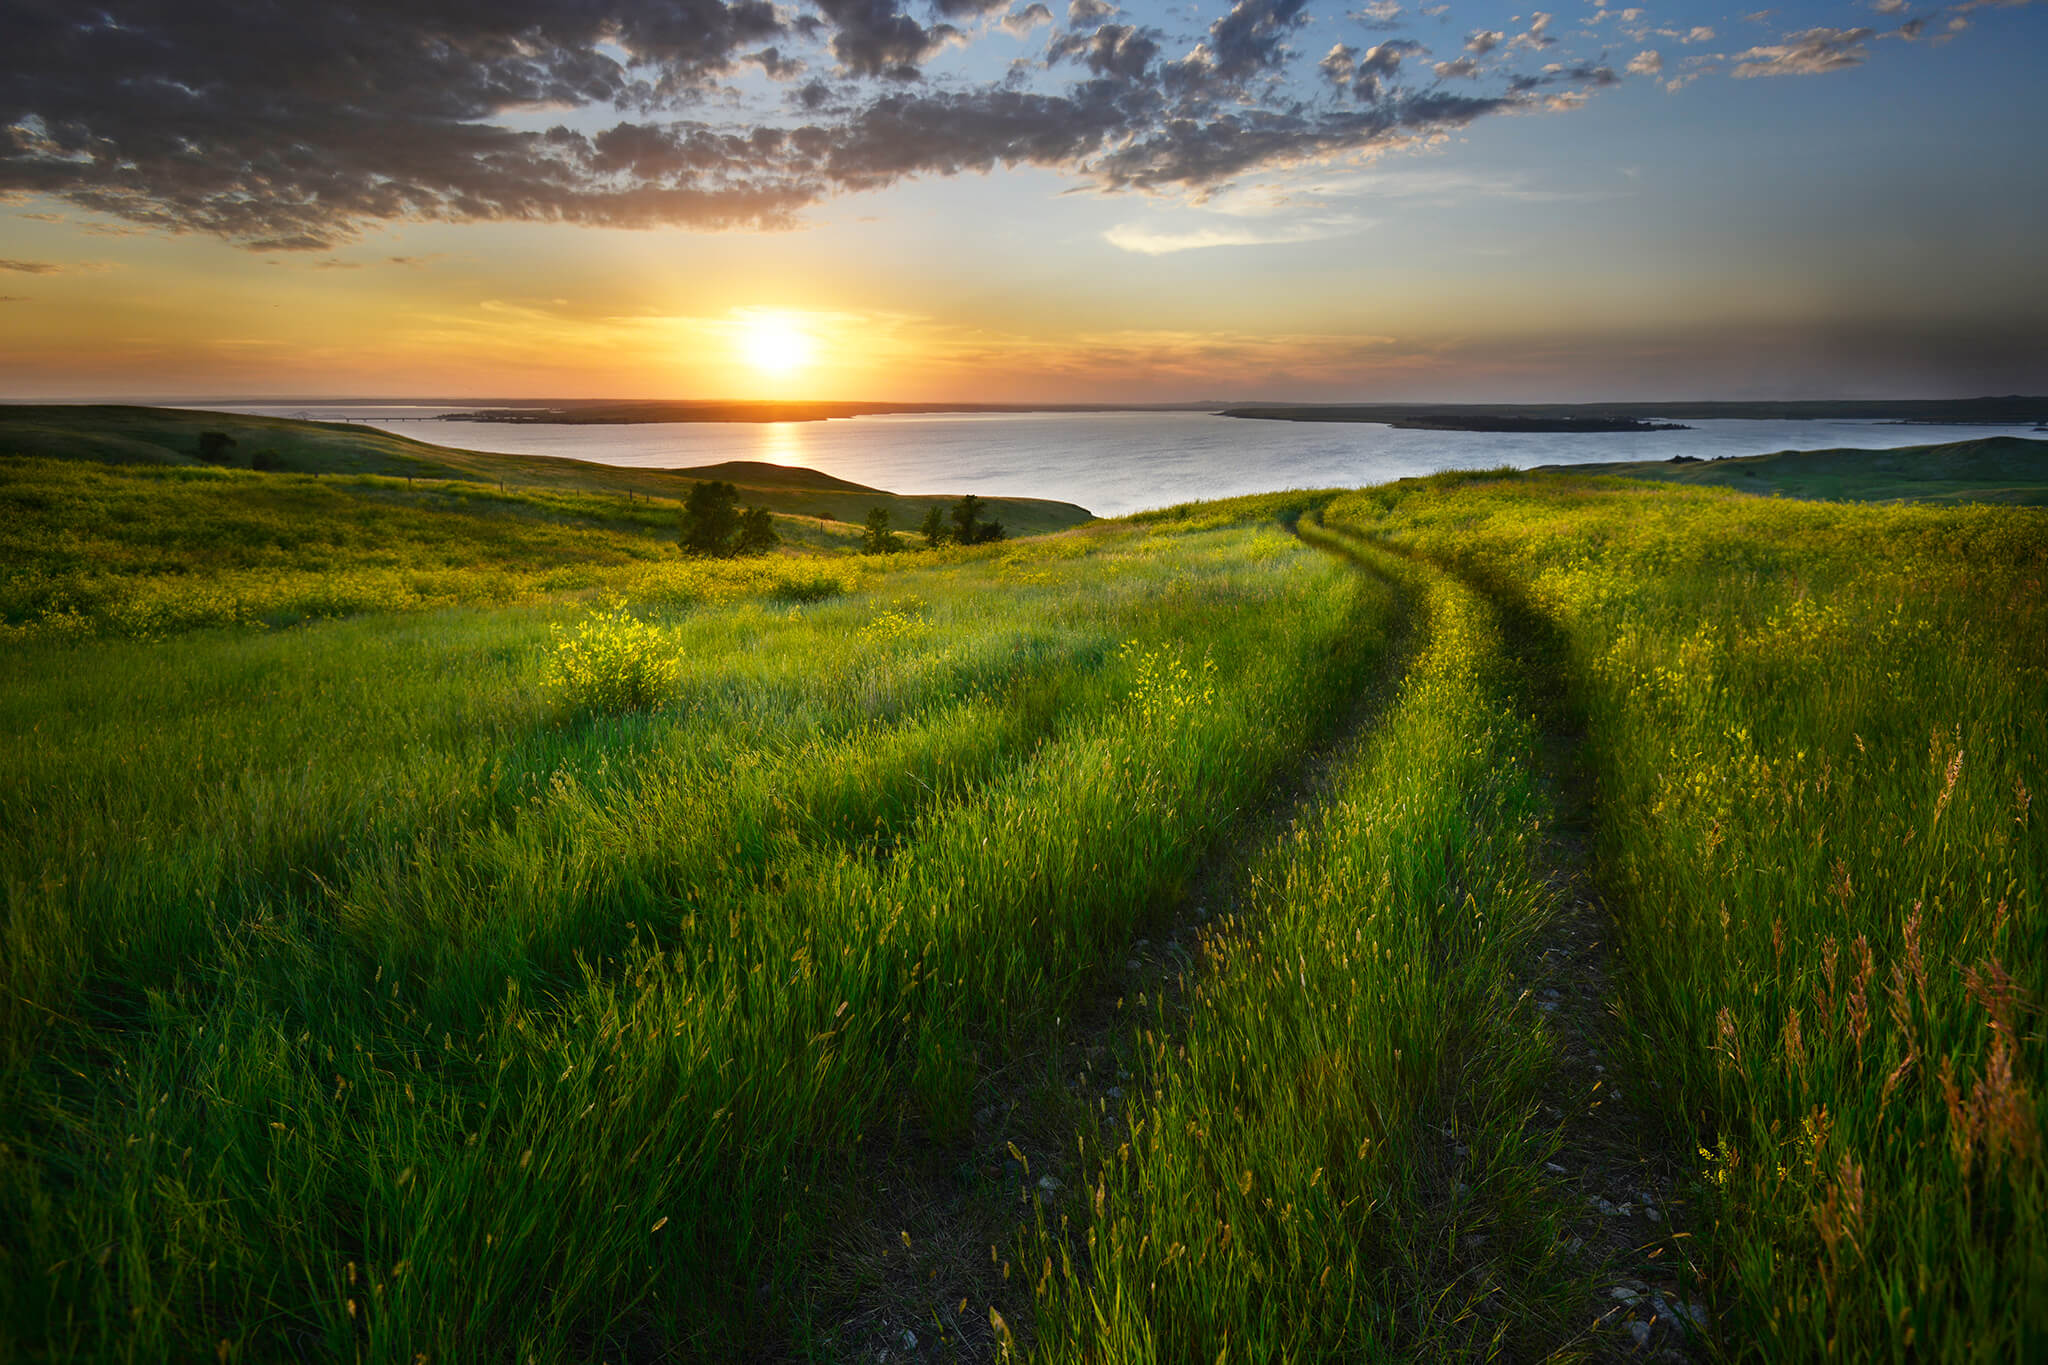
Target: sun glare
<point>774,345</point>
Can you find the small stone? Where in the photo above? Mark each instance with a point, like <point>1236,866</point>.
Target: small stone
<point>1547,1006</point>
<point>1697,1311</point>
<point>1114,1094</point>
<point>1624,1293</point>
<point>1599,1070</point>
<point>1550,995</point>
<point>909,1340</point>
<point>1641,1332</point>
<point>1652,1214</point>
<point>1131,964</point>
<point>1554,1168</point>
<point>1049,1184</point>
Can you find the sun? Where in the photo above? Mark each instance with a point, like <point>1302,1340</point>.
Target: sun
<point>773,344</point>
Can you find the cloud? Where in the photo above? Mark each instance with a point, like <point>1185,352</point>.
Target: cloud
<point>1381,14</point>
<point>32,267</point>
<point>1147,241</point>
<point>1112,50</point>
<point>1808,53</point>
<point>1482,41</point>
<point>1646,64</point>
<point>1888,6</point>
<point>1365,74</point>
<point>294,128</point>
<point>1701,34</point>
<point>1538,36</point>
<point>1250,38</point>
<point>874,38</point>
<point>1022,21</point>
<point>1464,68</point>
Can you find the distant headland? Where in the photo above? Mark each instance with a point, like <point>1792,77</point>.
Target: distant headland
<point>2010,410</point>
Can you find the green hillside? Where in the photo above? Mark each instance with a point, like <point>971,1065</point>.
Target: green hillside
<point>171,436</point>
<point>1991,469</point>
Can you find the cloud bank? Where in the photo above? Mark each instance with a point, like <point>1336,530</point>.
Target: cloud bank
<point>296,127</point>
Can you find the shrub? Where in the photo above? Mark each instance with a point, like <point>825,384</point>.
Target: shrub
<point>613,662</point>
<point>878,539</point>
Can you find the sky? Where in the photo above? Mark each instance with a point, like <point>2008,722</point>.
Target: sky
<point>959,200</point>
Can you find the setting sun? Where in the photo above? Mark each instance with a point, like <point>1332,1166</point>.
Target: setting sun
<point>773,344</point>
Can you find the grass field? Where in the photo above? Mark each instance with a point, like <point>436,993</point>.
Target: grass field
<point>552,959</point>
<point>2007,469</point>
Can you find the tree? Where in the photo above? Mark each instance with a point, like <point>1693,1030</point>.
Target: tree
<point>878,539</point>
<point>967,520</point>
<point>968,527</point>
<point>934,528</point>
<point>757,532</point>
<point>214,446</point>
<point>711,518</point>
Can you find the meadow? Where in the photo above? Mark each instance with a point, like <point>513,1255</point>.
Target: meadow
<point>1118,944</point>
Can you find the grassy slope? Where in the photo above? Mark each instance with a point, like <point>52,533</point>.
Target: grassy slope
<point>1817,729</point>
<point>1993,469</point>
<point>134,435</point>
<point>342,973</point>
<point>366,995</point>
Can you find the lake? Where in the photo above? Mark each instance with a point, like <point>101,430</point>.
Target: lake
<point>1109,462</point>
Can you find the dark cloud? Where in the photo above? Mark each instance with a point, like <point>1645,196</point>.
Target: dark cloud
<point>1364,73</point>
<point>1251,38</point>
<point>32,267</point>
<point>874,38</point>
<point>288,127</point>
<point>774,65</point>
<point>1112,50</point>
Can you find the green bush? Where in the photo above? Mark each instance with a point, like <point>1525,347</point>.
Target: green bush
<point>613,662</point>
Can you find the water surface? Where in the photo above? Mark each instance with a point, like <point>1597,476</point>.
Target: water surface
<point>1113,462</point>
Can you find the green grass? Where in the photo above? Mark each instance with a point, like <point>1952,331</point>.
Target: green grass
<point>1279,1196</point>
<point>1817,729</point>
<point>359,984</point>
<point>2005,469</point>
<point>525,955</point>
<point>170,436</point>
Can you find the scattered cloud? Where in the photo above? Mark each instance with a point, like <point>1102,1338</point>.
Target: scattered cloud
<point>1481,41</point>
<point>1807,53</point>
<point>1646,64</point>
<point>31,267</point>
<point>1462,68</point>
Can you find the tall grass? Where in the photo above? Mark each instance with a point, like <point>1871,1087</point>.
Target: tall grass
<point>1817,730</point>
<point>90,551</point>
<point>367,997</point>
<point>1346,1113</point>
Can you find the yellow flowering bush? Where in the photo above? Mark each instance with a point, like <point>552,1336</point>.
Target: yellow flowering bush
<point>613,662</point>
